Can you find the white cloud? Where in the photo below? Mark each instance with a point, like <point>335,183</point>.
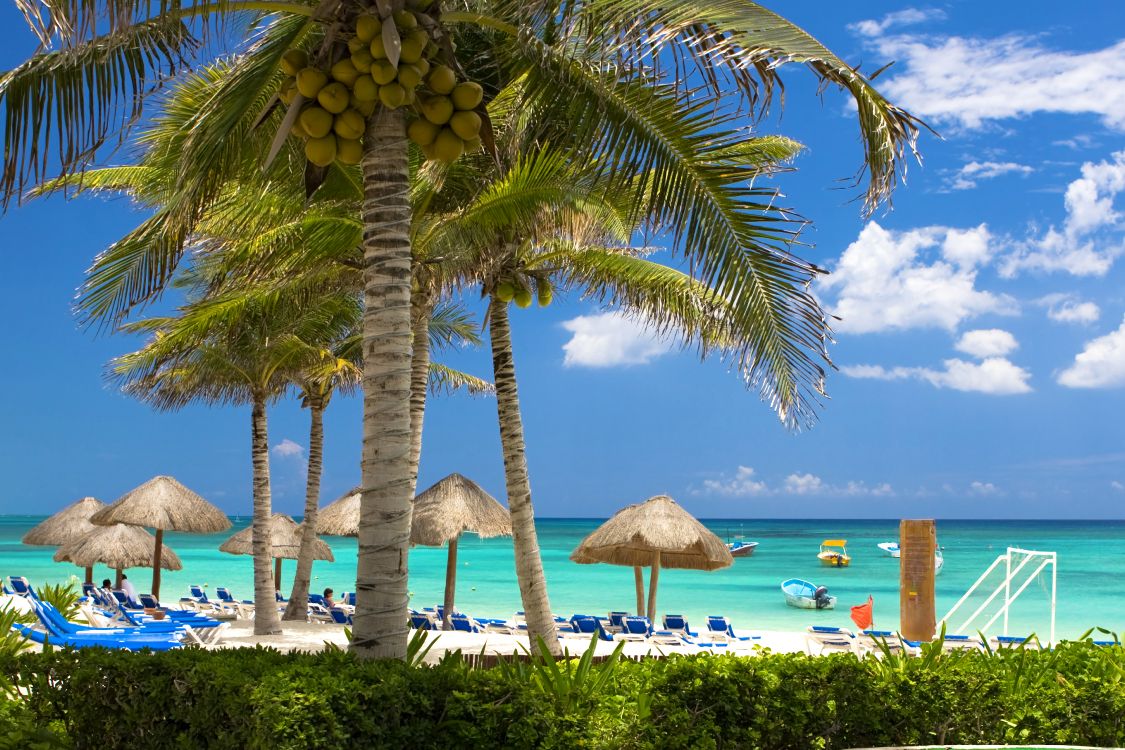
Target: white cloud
<point>1066,308</point>
<point>1117,486</point>
<point>969,82</point>
<point>905,17</point>
<point>743,484</point>
<point>803,484</point>
<point>610,340</point>
<point>968,176</point>
<point>288,449</point>
<point>1101,364</point>
<point>995,376</point>
<point>984,489</point>
<point>884,282</point>
<point>987,342</point>
<point>1084,246</point>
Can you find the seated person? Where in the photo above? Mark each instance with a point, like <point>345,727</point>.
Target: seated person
<point>329,602</point>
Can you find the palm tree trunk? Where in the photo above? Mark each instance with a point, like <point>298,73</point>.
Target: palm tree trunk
<point>382,597</point>
<point>266,621</point>
<point>529,564</point>
<point>298,606</point>
<point>422,307</point>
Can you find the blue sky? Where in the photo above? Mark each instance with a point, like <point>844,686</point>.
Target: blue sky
<point>981,347</point>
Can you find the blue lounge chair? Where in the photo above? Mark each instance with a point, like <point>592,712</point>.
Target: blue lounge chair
<point>586,626</point>
<point>422,621</point>
<point>340,617</point>
<point>636,628</point>
<point>464,623</point>
<point>829,639</point>
<point>57,626</point>
<point>720,629</point>
<point>678,624</point>
<point>349,598</point>
<point>616,621</point>
<point>316,599</point>
<point>73,641</point>
<point>19,585</point>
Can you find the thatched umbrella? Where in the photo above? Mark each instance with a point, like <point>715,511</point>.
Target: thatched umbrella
<point>163,504</point>
<point>285,542</point>
<point>448,509</point>
<point>659,533</point>
<point>68,525</point>
<point>341,516</point>
<point>119,547</point>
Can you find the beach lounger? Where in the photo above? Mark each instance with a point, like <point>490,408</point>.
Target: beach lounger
<point>55,625</point>
<point>1014,641</point>
<point>349,598</point>
<point>958,642</point>
<point>617,621</point>
<point>720,630</point>
<point>826,639</point>
<point>678,624</point>
<point>885,641</point>
<point>242,608</point>
<point>464,623</point>
<point>422,621</point>
<point>635,628</point>
<point>136,644</point>
<point>340,617</point>
<point>586,626</point>
<point>18,585</point>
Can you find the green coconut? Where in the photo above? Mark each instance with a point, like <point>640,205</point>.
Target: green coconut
<point>334,97</point>
<point>355,44</point>
<point>465,124</point>
<point>505,291</point>
<point>349,125</point>
<point>317,122</point>
<point>411,51</point>
<point>362,59</point>
<point>310,81</point>
<point>472,145</point>
<point>442,79</point>
<point>405,21</point>
<point>437,109</point>
<point>348,151</point>
<point>364,108</point>
<point>422,131</point>
<point>367,28</point>
<point>382,72</point>
<point>448,146</point>
<point>523,298</point>
<point>467,95</point>
<point>377,49</point>
<point>288,90</point>
<point>321,151</point>
<point>294,61</point>
<point>365,89</point>
<point>345,72</point>
<point>409,75</point>
<point>545,292</point>
<point>393,95</point>
<point>423,66</point>
<point>297,130</point>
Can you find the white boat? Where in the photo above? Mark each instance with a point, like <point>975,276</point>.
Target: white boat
<point>739,548</point>
<point>891,548</point>
<point>805,595</point>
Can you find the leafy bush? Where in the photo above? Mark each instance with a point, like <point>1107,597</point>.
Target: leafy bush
<point>259,698</point>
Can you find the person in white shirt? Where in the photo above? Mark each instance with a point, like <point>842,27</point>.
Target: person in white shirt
<point>129,589</point>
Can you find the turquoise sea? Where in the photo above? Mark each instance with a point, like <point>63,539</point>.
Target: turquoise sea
<point>1091,571</point>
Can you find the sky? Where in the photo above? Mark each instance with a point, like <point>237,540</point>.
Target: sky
<point>980,347</point>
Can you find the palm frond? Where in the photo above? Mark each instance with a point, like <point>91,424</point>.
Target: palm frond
<point>452,326</point>
<point>446,380</point>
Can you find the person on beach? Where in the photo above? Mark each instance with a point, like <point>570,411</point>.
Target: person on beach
<point>129,589</point>
<point>328,600</point>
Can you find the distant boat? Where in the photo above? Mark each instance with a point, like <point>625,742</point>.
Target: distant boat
<point>834,552</point>
<point>804,595</point>
<point>891,548</point>
<point>740,548</point>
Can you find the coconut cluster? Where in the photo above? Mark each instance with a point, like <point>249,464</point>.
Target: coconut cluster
<point>340,99</point>
<point>515,289</point>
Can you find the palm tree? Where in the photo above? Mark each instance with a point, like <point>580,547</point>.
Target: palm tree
<point>610,69</point>
<point>228,351</point>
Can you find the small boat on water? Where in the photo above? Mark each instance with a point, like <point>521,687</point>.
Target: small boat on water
<point>740,548</point>
<point>892,549</point>
<point>805,595</point>
<point>834,552</point>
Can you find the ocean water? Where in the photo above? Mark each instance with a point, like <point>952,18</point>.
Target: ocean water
<point>1091,572</point>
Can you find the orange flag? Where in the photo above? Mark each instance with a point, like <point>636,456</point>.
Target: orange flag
<point>863,615</point>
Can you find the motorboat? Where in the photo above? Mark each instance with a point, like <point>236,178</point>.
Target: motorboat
<point>891,548</point>
<point>834,552</point>
<point>805,595</point>
<point>740,548</point>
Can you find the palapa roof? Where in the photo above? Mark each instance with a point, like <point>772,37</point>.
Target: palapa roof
<point>68,525</point>
<point>119,547</point>
<point>164,503</point>
<point>453,506</point>
<point>285,537</point>
<point>659,524</point>
<point>341,516</point>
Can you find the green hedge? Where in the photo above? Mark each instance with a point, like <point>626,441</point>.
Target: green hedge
<point>263,699</point>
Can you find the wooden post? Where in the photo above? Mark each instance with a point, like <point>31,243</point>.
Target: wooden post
<point>90,574</point>
<point>652,579</point>
<point>117,584</point>
<point>156,554</point>
<point>917,543</point>
<point>639,578</point>
<point>450,585</point>
<point>277,573</point>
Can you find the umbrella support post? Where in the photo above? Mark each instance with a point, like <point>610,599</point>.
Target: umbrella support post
<point>450,585</point>
<point>277,573</point>
<point>117,584</point>
<point>652,579</point>
<point>90,574</point>
<point>156,563</point>
<point>639,579</point>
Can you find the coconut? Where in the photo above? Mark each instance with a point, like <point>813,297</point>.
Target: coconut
<point>423,66</point>
<point>310,81</point>
<point>545,292</point>
<point>364,108</point>
<point>317,122</point>
<point>345,72</point>
<point>467,95</point>
<point>362,59</point>
<point>294,61</point>
<point>382,72</point>
<point>409,75</point>
<point>349,125</point>
<point>448,146</point>
<point>422,131</point>
<point>523,298</point>
<point>355,44</point>
<point>405,20</point>
<point>334,97</point>
<point>365,89</point>
<point>367,28</point>
<point>348,151</point>
<point>377,49</point>
<point>321,151</point>
<point>393,95</point>
<point>472,145</point>
<point>411,51</point>
<point>437,109</point>
<point>505,290</point>
<point>288,90</point>
<point>465,124</point>
<point>428,152</point>
<point>442,79</point>
<point>297,130</point>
